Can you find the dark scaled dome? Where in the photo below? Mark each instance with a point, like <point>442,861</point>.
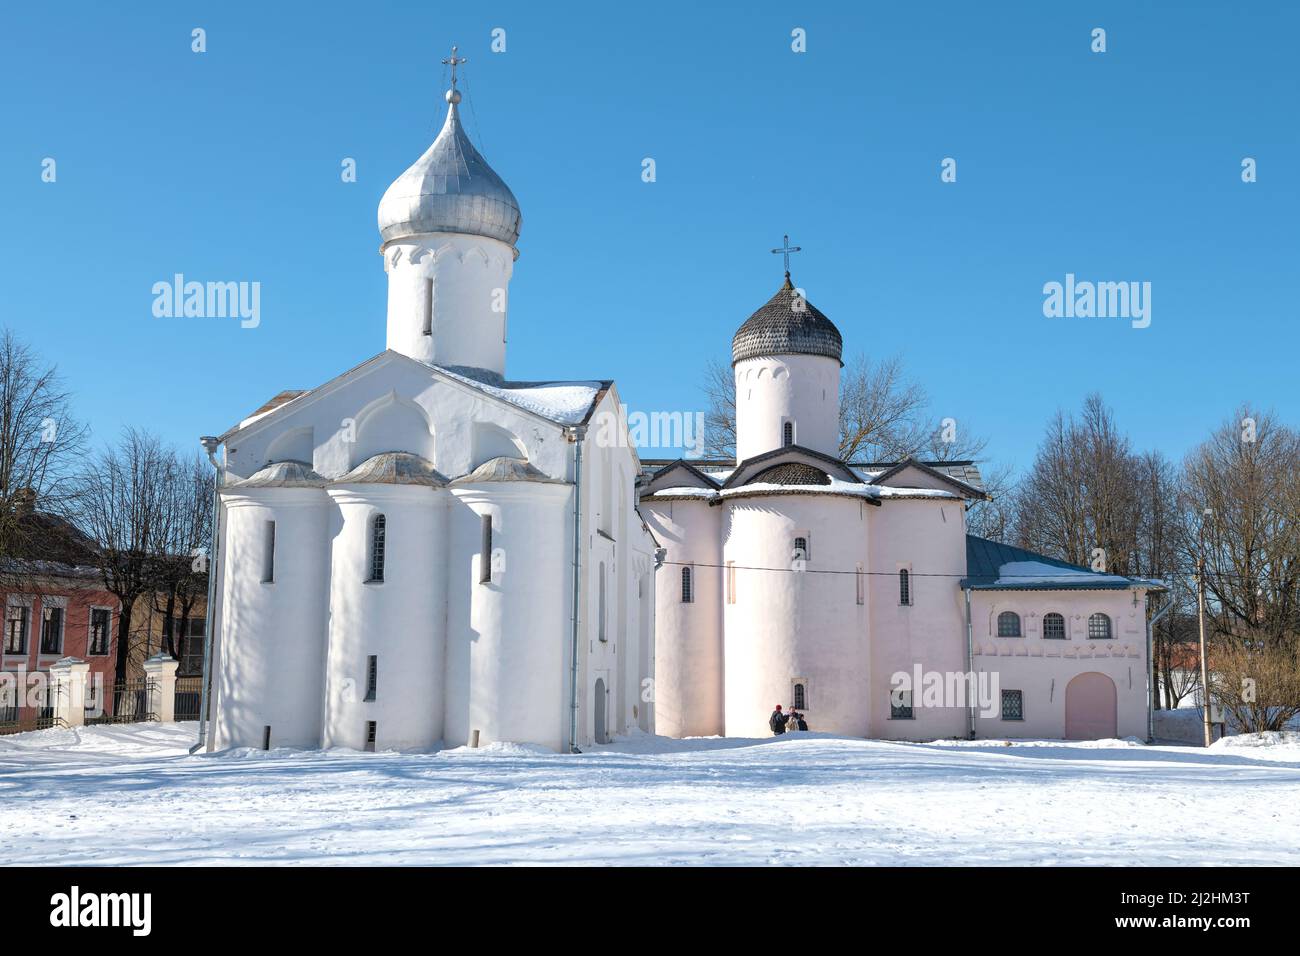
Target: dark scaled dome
<point>791,473</point>
<point>787,324</point>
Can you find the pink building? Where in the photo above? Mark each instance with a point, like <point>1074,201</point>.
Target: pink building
<point>853,593</point>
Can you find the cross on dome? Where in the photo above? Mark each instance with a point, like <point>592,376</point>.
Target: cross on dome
<point>785,250</point>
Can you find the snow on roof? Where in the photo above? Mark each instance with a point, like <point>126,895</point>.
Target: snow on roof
<point>1015,573</point>
<point>837,486</point>
<point>565,403</point>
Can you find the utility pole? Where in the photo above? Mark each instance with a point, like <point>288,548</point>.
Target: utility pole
<point>1200,615</point>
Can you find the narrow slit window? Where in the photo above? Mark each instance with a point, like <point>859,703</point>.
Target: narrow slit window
<point>787,433</point>
<point>372,731</point>
<point>688,586</point>
<point>485,551</point>
<point>731,582</point>
<point>428,307</point>
<point>378,536</point>
<point>860,579</point>
<point>801,549</point>
<point>904,587</point>
<point>268,553</point>
<point>800,697</point>
<point>372,676</point>
<point>602,631</point>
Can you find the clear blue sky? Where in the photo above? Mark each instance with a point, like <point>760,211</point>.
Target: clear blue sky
<point>225,166</point>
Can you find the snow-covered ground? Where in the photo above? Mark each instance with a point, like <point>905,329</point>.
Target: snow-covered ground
<point>132,794</point>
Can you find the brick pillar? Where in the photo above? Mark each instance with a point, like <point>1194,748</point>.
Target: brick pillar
<point>161,671</point>
<point>68,688</point>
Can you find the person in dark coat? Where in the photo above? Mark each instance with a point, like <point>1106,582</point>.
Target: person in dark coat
<point>777,721</point>
<point>803,724</point>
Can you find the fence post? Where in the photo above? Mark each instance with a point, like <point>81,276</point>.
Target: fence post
<point>68,690</point>
<point>160,672</point>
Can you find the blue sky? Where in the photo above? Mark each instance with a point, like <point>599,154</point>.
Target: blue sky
<point>225,166</point>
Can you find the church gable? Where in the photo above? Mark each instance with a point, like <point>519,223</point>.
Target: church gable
<point>678,474</point>
<point>392,403</point>
<point>748,471</point>
<point>910,473</point>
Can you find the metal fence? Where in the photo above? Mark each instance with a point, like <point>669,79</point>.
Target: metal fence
<point>189,696</point>
<point>12,722</point>
<point>130,703</point>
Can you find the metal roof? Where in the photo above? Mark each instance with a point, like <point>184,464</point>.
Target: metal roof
<point>985,558</point>
<point>451,188</point>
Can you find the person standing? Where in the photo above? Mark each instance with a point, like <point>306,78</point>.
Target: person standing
<point>777,721</point>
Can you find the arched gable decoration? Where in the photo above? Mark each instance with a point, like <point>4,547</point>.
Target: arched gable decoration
<point>391,423</point>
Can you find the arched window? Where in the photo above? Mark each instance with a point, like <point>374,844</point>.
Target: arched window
<point>1008,624</point>
<point>904,587</point>
<point>1099,627</point>
<point>787,433</point>
<point>1053,627</point>
<point>801,547</point>
<point>688,587</point>
<point>378,532</point>
<point>800,697</point>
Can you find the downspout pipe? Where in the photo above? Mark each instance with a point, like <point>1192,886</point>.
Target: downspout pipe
<point>210,445</point>
<point>1152,689</point>
<point>576,434</point>
<point>971,683</point>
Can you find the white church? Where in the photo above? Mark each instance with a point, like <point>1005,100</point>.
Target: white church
<point>422,552</point>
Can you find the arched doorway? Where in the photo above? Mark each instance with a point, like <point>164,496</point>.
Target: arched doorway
<point>1090,707</point>
<point>599,704</point>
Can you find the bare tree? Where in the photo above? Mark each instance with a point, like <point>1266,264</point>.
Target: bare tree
<point>182,574</point>
<point>125,505</point>
<point>40,444</point>
<point>1248,475</point>
<point>720,417</point>
<point>1080,495</point>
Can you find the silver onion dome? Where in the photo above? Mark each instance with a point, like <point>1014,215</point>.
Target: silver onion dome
<point>451,188</point>
<point>787,324</point>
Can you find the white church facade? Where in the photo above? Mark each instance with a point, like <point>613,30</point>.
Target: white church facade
<point>851,591</point>
<point>423,553</point>
<point>420,552</point>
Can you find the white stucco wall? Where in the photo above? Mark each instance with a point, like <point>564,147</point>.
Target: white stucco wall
<point>471,279</point>
<point>272,634</point>
<point>688,661</point>
<point>787,624</point>
<point>401,620</point>
<point>771,390</point>
<point>928,538</point>
<point>507,639</point>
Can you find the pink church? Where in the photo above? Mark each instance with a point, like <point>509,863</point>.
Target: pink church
<point>852,592</point>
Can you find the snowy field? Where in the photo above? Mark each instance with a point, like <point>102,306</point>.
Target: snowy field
<point>131,794</point>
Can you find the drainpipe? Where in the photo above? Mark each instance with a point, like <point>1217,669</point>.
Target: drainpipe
<point>210,445</point>
<point>972,683</point>
<point>1152,689</point>
<point>576,435</point>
